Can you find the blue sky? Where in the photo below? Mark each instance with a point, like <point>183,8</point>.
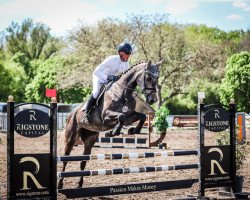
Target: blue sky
<point>64,15</point>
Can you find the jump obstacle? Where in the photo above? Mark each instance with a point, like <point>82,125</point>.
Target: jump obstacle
<point>136,141</point>
<point>217,166</point>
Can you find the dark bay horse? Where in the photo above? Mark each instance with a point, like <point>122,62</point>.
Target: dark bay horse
<point>115,108</point>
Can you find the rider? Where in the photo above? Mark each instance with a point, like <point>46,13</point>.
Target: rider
<point>107,71</point>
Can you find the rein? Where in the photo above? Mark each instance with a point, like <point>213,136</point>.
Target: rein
<point>144,87</point>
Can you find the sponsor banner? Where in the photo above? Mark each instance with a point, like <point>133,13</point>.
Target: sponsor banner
<point>185,121</point>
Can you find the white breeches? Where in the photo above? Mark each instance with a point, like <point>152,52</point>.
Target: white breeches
<point>96,87</point>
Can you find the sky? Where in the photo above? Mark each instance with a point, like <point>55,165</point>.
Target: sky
<point>64,15</point>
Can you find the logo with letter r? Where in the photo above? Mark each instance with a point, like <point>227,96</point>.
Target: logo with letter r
<point>215,162</point>
<point>27,174</point>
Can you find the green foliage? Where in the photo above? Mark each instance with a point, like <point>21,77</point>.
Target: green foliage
<point>12,81</point>
<point>223,138</point>
<point>160,119</point>
<point>30,41</point>
<point>46,77</point>
<point>74,95</point>
<point>229,40</point>
<point>5,80</point>
<point>237,80</point>
<point>186,104</point>
<point>19,80</point>
<point>194,56</point>
<point>202,32</point>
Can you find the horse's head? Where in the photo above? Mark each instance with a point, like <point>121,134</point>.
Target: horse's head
<point>148,81</point>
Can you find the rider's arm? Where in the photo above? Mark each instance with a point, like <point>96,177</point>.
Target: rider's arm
<point>102,70</point>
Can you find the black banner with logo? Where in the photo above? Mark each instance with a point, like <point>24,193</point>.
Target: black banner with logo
<point>32,123</point>
<point>216,119</point>
<point>31,175</point>
<point>217,163</point>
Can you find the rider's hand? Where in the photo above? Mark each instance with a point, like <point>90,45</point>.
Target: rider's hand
<point>112,78</point>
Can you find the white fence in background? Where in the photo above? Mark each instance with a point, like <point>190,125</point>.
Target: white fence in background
<point>3,122</point>
<point>61,120</point>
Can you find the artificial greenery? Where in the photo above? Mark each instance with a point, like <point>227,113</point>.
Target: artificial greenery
<point>223,138</point>
<point>160,120</point>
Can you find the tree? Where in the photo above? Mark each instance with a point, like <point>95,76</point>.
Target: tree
<point>1,46</point>
<point>244,45</point>
<point>46,77</point>
<point>5,80</point>
<point>187,53</point>
<point>237,80</point>
<point>12,80</point>
<point>156,39</point>
<point>90,46</point>
<point>30,41</point>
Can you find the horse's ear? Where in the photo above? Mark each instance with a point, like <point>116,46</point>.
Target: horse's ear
<point>149,64</point>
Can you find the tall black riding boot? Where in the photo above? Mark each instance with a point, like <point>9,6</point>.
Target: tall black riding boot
<point>90,103</point>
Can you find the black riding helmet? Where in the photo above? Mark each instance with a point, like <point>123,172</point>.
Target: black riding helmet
<point>125,47</point>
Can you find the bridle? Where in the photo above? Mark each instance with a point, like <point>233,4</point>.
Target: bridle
<point>152,89</point>
<point>145,88</point>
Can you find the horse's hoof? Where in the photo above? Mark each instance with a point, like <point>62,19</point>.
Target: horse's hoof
<point>109,134</point>
<point>131,131</point>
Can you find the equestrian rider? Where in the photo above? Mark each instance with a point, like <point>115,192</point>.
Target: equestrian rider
<point>108,71</point>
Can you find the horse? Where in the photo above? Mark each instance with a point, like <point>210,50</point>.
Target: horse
<point>115,108</point>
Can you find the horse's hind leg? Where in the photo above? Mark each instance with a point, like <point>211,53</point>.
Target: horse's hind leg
<point>71,134</point>
<point>88,138</point>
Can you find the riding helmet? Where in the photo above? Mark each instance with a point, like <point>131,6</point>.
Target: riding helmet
<point>125,47</point>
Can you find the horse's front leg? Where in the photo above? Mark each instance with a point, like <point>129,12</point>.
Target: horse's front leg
<point>121,118</point>
<point>135,117</point>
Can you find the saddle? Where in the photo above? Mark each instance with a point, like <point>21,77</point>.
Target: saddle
<point>104,88</point>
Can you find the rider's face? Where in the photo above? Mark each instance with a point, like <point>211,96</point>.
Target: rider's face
<point>124,56</point>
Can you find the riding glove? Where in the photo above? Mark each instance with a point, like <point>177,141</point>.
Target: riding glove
<point>112,78</point>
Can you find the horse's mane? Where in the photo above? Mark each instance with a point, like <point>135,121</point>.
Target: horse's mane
<point>125,72</point>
